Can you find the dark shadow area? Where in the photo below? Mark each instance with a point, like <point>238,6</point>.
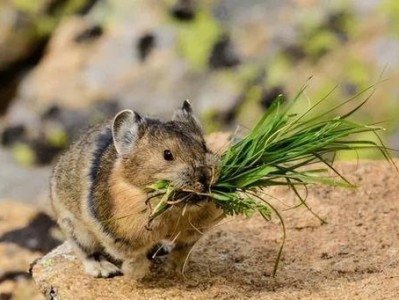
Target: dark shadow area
<point>269,95</point>
<point>145,45</point>
<point>5,296</point>
<point>86,8</point>
<point>223,54</point>
<point>54,7</point>
<point>11,76</point>
<point>15,275</point>
<point>89,34</point>
<point>183,10</point>
<point>35,236</point>
<point>12,135</point>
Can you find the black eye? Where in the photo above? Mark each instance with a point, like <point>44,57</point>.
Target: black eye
<point>167,155</point>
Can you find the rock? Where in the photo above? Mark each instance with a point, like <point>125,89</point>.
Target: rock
<point>13,176</point>
<point>25,235</point>
<point>340,260</point>
<point>24,29</point>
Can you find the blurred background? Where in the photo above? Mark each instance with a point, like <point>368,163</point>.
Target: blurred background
<point>65,64</point>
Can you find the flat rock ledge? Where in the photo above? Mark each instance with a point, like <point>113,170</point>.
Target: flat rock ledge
<point>354,256</point>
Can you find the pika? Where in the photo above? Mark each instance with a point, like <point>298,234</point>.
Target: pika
<point>98,191</point>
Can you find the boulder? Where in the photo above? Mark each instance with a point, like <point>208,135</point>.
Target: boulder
<point>353,256</point>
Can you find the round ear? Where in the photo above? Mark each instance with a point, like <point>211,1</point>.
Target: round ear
<point>185,114</point>
<point>127,127</point>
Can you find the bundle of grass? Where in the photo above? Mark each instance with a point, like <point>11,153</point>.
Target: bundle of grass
<point>282,149</point>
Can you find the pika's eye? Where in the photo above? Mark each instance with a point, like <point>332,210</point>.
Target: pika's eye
<point>167,155</point>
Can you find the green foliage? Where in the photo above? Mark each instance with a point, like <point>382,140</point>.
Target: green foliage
<point>282,143</point>
<point>283,147</point>
<point>196,39</point>
<point>235,204</point>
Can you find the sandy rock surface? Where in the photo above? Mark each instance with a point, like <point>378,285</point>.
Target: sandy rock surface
<point>353,256</point>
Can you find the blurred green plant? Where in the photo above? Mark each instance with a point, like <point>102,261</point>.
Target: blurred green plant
<point>319,42</point>
<point>278,67</point>
<point>57,138</point>
<point>196,38</point>
<point>391,9</point>
<point>28,6</point>
<point>322,33</point>
<point>23,154</point>
<point>357,72</point>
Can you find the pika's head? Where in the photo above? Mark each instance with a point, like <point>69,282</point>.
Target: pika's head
<point>150,150</point>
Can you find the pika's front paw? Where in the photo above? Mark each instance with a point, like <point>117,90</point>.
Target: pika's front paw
<point>136,269</point>
<point>101,269</point>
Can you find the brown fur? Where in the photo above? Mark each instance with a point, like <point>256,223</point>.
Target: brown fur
<point>98,190</point>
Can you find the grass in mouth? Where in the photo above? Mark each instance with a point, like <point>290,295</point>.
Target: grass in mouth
<point>283,148</point>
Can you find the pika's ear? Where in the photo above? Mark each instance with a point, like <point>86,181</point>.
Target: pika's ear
<point>185,114</point>
<point>127,127</point>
